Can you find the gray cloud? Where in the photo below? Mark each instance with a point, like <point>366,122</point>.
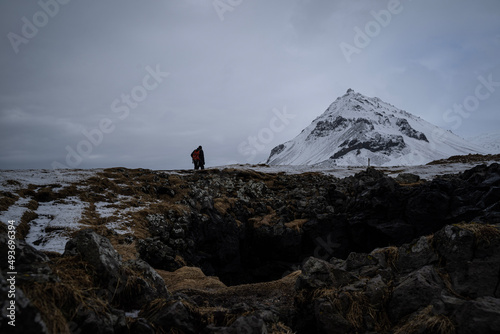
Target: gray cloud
<point>226,76</point>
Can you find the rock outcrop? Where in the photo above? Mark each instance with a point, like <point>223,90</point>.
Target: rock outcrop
<point>244,226</point>
<point>232,251</point>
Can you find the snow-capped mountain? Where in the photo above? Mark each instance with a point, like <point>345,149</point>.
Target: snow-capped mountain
<point>488,141</point>
<point>356,128</point>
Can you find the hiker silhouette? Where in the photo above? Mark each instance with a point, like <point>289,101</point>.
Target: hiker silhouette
<point>198,158</point>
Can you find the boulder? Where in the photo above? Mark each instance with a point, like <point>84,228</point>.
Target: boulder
<point>26,255</point>
<point>317,273</point>
<point>472,258</point>
<point>176,316</point>
<point>414,291</point>
<point>157,254</point>
<point>247,324</point>
<point>143,287</point>
<point>91,321</point>
<point>407,178</point>
<point>329,319</point>
<point>99,253</point>
<point>415,255</point>
<point>478,316</point>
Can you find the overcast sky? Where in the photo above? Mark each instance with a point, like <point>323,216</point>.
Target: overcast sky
<point>133,83</point>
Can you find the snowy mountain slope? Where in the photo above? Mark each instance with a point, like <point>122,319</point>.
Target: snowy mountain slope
<point>356,128</point>
<point>488,141</point>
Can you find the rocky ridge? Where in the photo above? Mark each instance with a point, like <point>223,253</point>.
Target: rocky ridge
<point>239,250</point>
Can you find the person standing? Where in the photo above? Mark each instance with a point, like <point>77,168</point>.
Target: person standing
<point>198,158</point>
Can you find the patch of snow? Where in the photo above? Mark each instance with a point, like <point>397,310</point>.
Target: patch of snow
<point>103,209</point>
<point>133,314</point>
<point>15,211</point>
<point>56,220</point>
<point>488,141</point>
<point>119,227</point>
<point>43,177</point>
<point>427,172</point>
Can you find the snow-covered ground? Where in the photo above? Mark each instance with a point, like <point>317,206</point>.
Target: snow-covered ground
<point>426,172</point>
<point>488,141</point>
<point>56,219</point>
<point>50,230</point>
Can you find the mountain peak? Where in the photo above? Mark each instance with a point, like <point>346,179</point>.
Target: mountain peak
<point>355,128</point>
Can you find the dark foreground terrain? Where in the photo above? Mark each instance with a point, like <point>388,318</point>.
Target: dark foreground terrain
<point>239,251</point>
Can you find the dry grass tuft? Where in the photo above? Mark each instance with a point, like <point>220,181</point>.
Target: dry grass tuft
<point>3,228</point>
<point>280,328</point>
<point>296,224</point>
<point>190,278</point>
<point>263,220</point>
<point>425,322</point>
<point>483,232</point>
<point>23,228</point>
<point>223,204</point>
<point>358,307</point>
<point>7,200</point>
<point>391,255</point>
<point>28,192</point>
<point>32,205</point>
<point>60,301</point>
<point>154,307</point>
<point>355,307</point>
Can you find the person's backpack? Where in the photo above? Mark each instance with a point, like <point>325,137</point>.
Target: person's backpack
<point>196,155</point>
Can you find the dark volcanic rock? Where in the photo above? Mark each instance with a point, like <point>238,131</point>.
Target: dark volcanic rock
<point>98,251</point>
<point>414,291</point>
<point>22,317</point>
<point>377,255</point>
<point>317,274</point>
